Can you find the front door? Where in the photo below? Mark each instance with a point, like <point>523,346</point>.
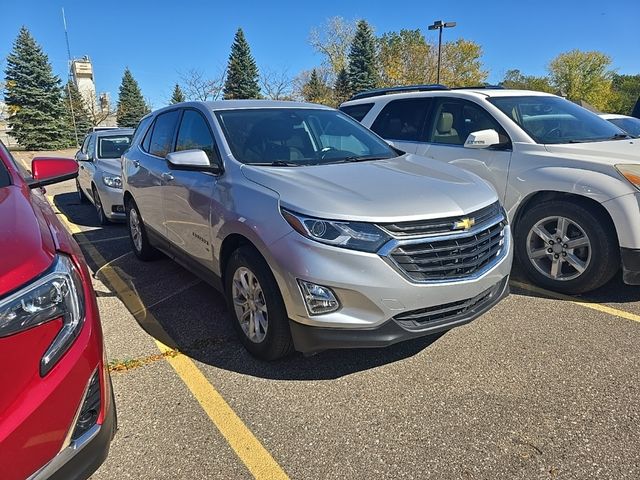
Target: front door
<point>451,122</point>
<point>187,195</point>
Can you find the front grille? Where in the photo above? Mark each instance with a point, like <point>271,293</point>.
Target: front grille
<point>452,257</point>
<point>90,409</point>
<point>449,312</point>
<point>440,225</point>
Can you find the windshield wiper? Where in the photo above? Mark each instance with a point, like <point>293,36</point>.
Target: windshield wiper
<point>278,163</point>
<point>361,158</point>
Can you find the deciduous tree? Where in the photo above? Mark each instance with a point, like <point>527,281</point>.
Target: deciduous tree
<point>404,58</point>
<point>581,75</point>
<point>316,89</point>
<point>517,80</point>
<point>461,64</point>
<point>332,40</point>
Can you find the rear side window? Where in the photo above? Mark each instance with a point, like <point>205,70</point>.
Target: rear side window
<point>403,119</point>
<point>161,141</point>
<point>194,133</point>
<point>357,112</point>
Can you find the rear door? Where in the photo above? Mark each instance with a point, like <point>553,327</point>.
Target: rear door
<point>145,180</point>
<point>403,121</point>
<point>450,123</point>
<point>187,195</point>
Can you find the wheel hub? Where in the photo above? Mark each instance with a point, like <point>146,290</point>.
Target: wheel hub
<point>249,304</point>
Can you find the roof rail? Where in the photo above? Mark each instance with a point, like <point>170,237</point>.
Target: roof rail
<point>480,87</point>
<point>399,89</point>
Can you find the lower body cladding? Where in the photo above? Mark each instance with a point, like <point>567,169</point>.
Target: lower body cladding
<point>378,305</point>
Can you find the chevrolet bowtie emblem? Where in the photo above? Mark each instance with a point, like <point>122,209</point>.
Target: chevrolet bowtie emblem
<point>464,224</point>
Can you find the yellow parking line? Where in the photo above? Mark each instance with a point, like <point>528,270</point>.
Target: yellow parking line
<point>242,441</point>
<point>593,306</point>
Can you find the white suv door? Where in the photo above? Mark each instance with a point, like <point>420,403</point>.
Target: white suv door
<point>450,123</point>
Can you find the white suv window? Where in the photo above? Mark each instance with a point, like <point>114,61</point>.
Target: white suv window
<point>403,119</point>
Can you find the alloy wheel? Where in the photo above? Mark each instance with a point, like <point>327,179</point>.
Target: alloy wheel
<point>250,305</point>
<point>559,248</point>
<point>135,229</point>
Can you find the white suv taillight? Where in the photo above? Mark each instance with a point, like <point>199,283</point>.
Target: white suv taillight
<point>56,294</point>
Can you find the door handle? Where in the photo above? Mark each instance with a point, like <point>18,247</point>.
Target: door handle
<point>136,163</point>
<point>167,176</point>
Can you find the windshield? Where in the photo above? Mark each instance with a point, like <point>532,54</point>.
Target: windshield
<point>113,147</point>
<point>298,136</point>
<point>556,120</point>
<point>629,125</point>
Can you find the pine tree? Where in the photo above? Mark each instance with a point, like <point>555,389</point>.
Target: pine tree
<point>33,96</point>
<point>362,59</point>
<point>178,95</point>
<point>242,72</point>
<point>316,90</point>
<point>341,88</point>
<point>77,118</point>
<point>131,104</point>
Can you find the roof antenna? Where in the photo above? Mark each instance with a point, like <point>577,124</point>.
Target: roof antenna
<point>69,78</point>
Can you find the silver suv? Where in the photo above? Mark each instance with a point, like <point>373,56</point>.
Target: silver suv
<point>318,232</point>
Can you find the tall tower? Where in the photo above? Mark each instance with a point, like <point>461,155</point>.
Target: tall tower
<point>82,72</point>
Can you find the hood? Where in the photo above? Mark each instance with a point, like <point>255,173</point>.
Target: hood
<point>611,152</point>
<point>399,189</point>
<point>111,166</point>
<point>25,241</point>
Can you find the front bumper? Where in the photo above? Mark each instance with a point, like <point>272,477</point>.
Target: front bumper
<point>630,265</point>
<point>310,340</point>
<point>85,454</point>
<point>113,202</point>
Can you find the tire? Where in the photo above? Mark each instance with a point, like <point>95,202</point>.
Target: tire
<point>140,244</point>
<point>271,339</point>
<point>587,266</point>
<point>102,218</point>
<point>82,198</point>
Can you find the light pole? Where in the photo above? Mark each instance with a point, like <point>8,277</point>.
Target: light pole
<point>439,25</point>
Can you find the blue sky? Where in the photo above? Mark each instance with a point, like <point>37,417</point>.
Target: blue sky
<point>158,39</point>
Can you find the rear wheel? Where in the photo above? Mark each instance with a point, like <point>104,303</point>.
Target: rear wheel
<point>566,246</point>
<point>102,218</point>
<point>138,234</point>
<point>256,306</point>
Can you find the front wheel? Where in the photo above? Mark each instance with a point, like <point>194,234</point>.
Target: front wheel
<point>566,247</point>
<point>102,218</point>
<point>256,306</point>
<point>82,198</point>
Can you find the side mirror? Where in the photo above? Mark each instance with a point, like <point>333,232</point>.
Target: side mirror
<point>82,157</point>
<point>482,139</point>
<point>46,171</point>
<point>195,160</point>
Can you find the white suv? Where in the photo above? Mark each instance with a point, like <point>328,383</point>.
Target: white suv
<point>569,179</point>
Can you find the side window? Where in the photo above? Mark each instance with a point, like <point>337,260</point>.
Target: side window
<point>85,145</point>
<point>161,141</point>
<point>455,119</point>
<point>140,130</point>
<point>91,148</point>
<point>194,133</point>
<point>403,119</point>
<point>357,112</point>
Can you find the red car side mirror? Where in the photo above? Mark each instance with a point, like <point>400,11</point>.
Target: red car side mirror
<point>47,170</point>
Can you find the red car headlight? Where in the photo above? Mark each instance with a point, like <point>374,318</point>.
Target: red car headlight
<point>56,294</point>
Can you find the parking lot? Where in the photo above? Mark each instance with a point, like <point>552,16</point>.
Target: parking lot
<point>543,386</point>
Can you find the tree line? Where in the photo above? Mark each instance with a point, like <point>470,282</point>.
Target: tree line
<point>44,114</point>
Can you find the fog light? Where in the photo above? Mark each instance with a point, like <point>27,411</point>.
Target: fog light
<point>318,299</point>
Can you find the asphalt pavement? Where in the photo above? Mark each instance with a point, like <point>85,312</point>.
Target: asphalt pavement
<point>538,388</point>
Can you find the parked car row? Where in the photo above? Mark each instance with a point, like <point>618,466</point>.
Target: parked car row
<point>393,219</point>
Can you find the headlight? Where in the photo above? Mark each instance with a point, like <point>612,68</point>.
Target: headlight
<point>631,173</point>
<point>57,294</point>
<point>354,235</point>
<point>113,181</point>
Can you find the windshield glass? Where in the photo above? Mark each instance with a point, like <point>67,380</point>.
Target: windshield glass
<point>629,125</point>
<point>298,136</point>
<point>556,120</point>
<point>113,147</point>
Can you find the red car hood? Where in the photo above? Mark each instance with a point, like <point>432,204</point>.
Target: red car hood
<point>26,244</point>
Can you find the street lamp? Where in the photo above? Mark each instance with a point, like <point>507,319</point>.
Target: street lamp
<point>439,25</point>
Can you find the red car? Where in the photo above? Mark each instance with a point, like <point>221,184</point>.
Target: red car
<point>57,412</point>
